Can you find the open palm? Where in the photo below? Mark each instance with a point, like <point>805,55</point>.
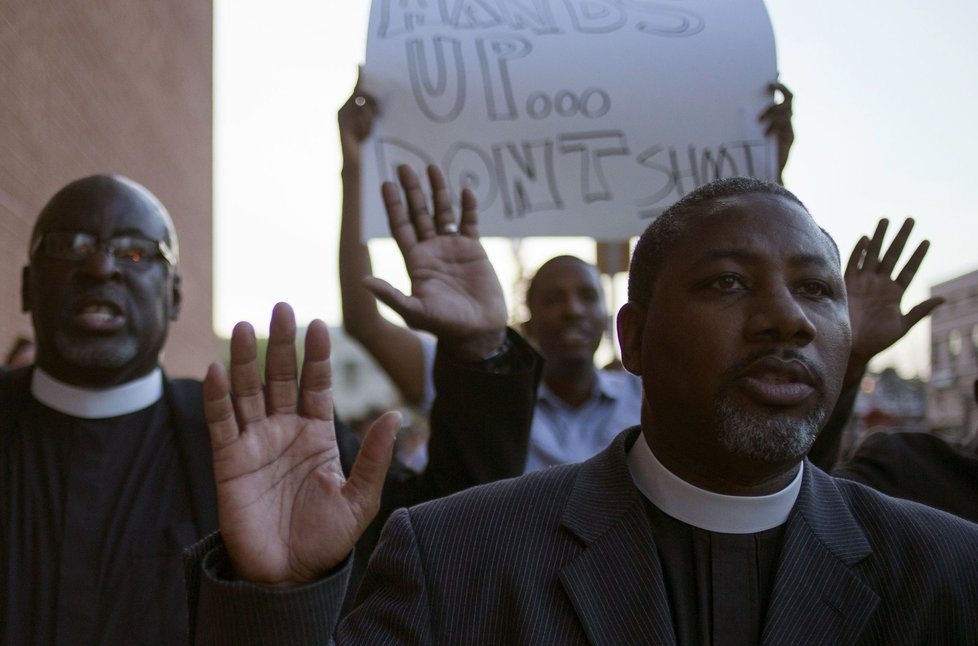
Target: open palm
<point>455,292</point>
<point>875,296</point>
<point>287,515</point>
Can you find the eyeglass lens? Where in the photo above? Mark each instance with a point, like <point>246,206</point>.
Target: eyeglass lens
<point>78,246</point>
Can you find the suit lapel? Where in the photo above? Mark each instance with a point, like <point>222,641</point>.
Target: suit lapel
<point>817,597</point>
<point>616,583</point>
<point>185,399</point>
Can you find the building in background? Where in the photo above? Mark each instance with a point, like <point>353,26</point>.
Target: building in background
<point>117,86</point>
<point>886,403</point>
<point>954,358</point>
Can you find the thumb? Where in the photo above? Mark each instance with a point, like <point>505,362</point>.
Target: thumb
<point>405,306</point>
<point>366,483</point>
<point>919,311</point>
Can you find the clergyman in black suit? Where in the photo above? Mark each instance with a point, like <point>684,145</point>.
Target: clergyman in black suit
<point>105,463</point>
<point>105,469</point>
<point>705,525</point>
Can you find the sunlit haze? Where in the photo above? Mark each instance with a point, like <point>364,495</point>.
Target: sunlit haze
<point>885,102</point>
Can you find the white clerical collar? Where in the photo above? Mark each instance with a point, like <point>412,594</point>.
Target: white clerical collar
<point>97,404</point>
<point>707,510</point>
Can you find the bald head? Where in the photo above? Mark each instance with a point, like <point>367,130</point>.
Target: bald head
<point>90,196</point>
<point>101,284</point>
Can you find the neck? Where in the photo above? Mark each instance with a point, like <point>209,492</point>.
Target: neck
<point>572,382</point>
<point>724,474</point>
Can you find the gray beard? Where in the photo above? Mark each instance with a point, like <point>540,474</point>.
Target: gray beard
<point>769,438</point>
<point>98,356</point>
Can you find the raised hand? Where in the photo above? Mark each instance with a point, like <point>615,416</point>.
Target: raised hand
<point>286,514</point>
<point>777,119</point>
<point>355,120</point>
<point>455,293</point>
<point>874,296</point>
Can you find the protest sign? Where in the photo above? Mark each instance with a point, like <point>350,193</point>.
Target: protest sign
<point>568,117</point>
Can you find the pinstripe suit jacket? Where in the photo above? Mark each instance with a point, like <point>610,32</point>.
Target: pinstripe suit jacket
<point>567,556</point>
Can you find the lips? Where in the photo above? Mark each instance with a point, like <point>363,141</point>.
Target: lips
<point>776,381</point>
<point>98,316</point>
<point>576,334</point>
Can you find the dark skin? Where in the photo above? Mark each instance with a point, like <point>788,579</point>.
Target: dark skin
<point>99,322</point>
<point>567,320</point>
<point>777,123</point>
<point>287,515</point>
<point>750,305</point>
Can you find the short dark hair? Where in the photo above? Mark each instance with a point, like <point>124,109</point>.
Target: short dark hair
<point>666,230</point>
<point>531,287</point>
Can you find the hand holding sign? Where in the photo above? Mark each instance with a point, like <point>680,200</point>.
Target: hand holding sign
<point>570,117</point>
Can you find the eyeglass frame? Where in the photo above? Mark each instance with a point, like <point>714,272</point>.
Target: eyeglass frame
<point>163,250</point>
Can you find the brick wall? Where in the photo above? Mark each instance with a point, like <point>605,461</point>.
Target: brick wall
<point>117,86</point>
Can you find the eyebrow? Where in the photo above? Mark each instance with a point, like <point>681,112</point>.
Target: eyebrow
<point>745,256</point>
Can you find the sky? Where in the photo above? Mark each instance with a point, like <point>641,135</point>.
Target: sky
<point>884,114</point>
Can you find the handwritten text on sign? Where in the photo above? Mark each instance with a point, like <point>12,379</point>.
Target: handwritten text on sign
<point>568,117</point>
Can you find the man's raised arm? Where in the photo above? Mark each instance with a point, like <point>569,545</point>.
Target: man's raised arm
<point>288,519</point>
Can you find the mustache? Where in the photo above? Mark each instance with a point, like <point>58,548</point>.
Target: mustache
<point>782,354</point>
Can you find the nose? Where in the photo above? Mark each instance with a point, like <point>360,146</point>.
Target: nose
<point>574,307</point>
<point>779,315</point>
<point>101,265</point>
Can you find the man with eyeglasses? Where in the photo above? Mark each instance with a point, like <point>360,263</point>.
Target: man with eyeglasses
<point>104,463</point>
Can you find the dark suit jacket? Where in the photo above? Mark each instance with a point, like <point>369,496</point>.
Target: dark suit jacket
<point>185,401</point>
<point>920,467</point>
<point>165,613</point>
<point>567,556</point>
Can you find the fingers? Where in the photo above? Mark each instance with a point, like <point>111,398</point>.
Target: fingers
<point>417,203</point>
<point>918,312</point>
<point>406,306</point>
<point>444,216</point>
<point>409,218</point>
<point>317,374</point>
<point>249,400</point>
<point>218,410</point>
<point>866,255</point>
<point>910,269</point>
<point>777,114</point>
<point>896,247</point>
<point>783,89</point>
<point>856,257</point>
<point>356,116</point>
<point>397,218</point>
<point>871,259</point>
<point>470,216</point>
<point>367,477</point>
<point>280,365</point>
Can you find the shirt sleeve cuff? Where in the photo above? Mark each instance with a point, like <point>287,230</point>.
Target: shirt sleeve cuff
<point>228,611</point>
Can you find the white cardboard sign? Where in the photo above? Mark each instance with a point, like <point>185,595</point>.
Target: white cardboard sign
<point>568,117</point>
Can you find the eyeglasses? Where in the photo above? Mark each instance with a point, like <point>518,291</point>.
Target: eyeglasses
<point>77,246</point>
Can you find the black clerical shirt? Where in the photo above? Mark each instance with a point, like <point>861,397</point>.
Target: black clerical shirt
<point>95,514</point>
<point>719,585</point>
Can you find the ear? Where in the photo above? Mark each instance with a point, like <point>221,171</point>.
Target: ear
<point>631,325</point>
<point>176,297</point>
<point>25,290</point>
